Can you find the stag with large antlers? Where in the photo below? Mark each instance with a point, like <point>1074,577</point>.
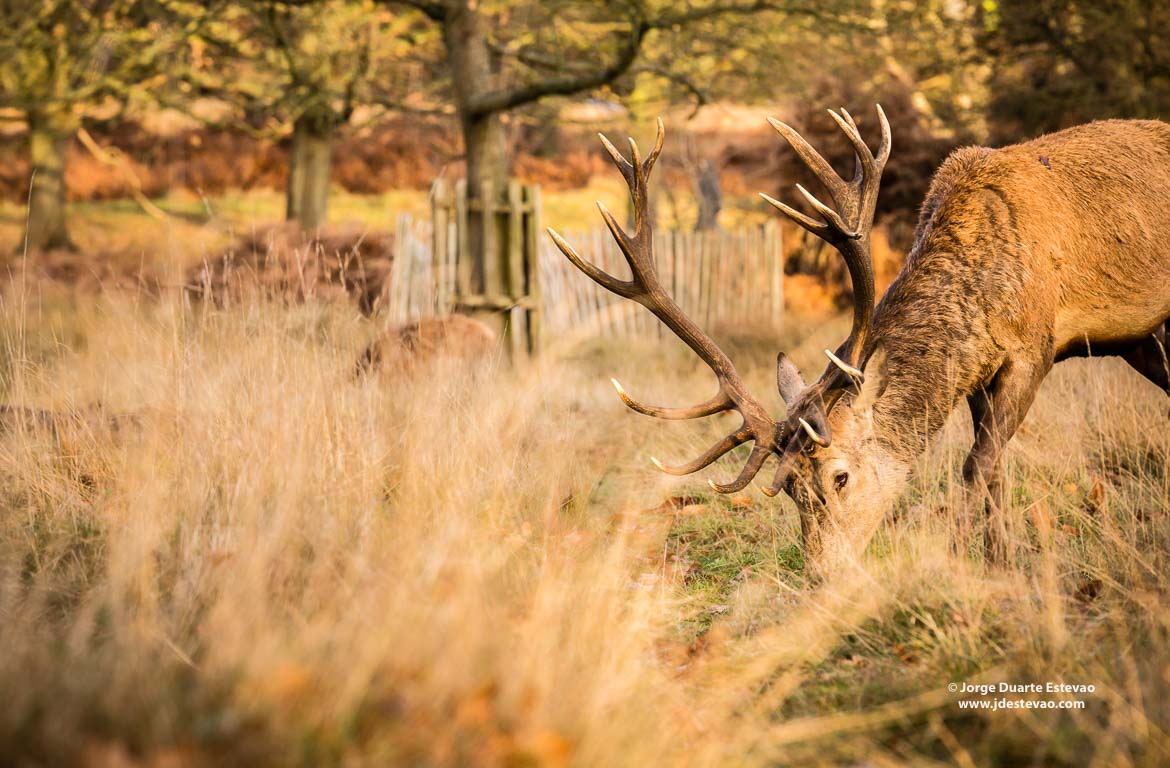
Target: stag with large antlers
<point>1023,256</point>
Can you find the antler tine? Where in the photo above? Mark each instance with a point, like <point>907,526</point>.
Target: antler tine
<point>858,170</point>
<point>887,141</point>
<point>717,404</point>
<point>734,440</point>
<point>628,168</point>
<point>642,170</point>
<point>784,470</point>
<point>837,225</point>
<point>884,145</point>
<point>635,155</point>
<point>659,140</point>
<point>859,146</point>
<point>845,367</point>
<point>812,433</point>
<point>750,469</point>
<point>644,288</point>
<point>623,240</point>
<point>624,288</point>
<point>820,167</point>
<point>818,228</point>
<point>618,158</point>
<point>849,118</point>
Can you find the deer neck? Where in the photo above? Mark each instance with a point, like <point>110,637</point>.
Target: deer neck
<point>912,412</point>
<point>935,356</point>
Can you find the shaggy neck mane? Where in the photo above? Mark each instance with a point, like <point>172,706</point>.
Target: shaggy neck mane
<point>933,322</point>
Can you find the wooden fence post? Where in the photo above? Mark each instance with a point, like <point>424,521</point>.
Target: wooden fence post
<point>496,273</point>
<point>440,218</point>
<point>532,234</point>
<point>774,253</point>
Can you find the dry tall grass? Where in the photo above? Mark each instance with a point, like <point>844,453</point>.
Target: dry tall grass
<point>268,560</point>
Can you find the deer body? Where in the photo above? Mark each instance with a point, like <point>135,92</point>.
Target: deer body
<point>1067,235</point>
<point>1016,260</point>
<point>1023,256</point>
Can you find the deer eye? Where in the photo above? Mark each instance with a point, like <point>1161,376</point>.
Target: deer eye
<point>840,480</point>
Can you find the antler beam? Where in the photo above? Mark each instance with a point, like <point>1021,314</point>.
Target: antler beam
<point>645,288</point>
<point>848,227</point>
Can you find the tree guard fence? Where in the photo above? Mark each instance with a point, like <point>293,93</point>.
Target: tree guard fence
<point>720,277</point>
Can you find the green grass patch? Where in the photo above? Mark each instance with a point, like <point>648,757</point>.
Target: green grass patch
<point>718,545</point>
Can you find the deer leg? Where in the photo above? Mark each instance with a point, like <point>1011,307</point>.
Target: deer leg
<point>996,411</point>
<point>1149,359</point>
<point>982,475</point>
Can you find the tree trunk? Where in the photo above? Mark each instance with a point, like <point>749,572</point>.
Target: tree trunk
<point>710,197</point>
<point>296,174</point>
<point>48,140</point>
<point>474,73</point>
<point>310,163</point>
<point>487,153</point>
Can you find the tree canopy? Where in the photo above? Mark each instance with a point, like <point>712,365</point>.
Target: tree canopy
<point>300,71</point>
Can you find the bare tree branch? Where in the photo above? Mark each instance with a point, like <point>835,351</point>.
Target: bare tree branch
<point>691,15</point>
<point>640,25</point>
<point>701,97</point>
<point>434,10</point>
<point>509,98</point>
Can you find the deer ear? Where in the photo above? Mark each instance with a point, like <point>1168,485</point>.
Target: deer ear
<point>875,381</point>
<point>788,379</point>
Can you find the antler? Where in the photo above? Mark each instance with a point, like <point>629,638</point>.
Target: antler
<point>645,288</point>
<point>848,228</point>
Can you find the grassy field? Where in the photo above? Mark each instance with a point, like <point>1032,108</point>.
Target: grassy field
<point>230,550</point>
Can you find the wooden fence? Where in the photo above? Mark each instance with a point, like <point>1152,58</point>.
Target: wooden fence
<point>493,239</point>
<point>718,277</point>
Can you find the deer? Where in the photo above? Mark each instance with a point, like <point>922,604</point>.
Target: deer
<point>1023,256</point>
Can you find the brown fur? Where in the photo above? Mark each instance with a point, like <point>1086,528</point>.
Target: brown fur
<point>1024,256</point>
<point>1016,259</point>
<point>429,339</point>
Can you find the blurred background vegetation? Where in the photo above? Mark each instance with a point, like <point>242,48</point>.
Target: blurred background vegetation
<point>224,113</point>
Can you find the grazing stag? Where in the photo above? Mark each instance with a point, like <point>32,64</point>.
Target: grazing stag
<point>1023,256</point>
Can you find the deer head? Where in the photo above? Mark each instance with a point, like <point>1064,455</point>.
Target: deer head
<point>833,461</point>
